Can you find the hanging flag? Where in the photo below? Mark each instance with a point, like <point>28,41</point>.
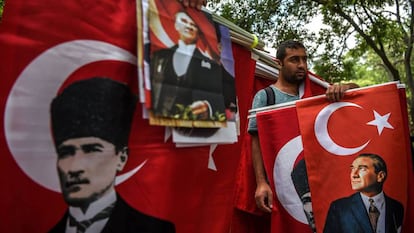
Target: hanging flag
<point>281,146</point>
<point>186,70</point>
<point>246,217</point>
<point>246,185</point>
<point>190,175</point>
<point>367,120</point>
<point>46,46</point>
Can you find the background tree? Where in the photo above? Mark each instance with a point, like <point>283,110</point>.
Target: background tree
<point>1,8</point>
<point>358,39</point>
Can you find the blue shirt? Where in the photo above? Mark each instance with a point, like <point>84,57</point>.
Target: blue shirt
<point>260,100</point>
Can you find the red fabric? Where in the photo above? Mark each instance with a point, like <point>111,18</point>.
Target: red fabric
<point>167,10</point>
<point>246,182</point>
<point>312,88</point>
<point>29,28</point>
<point>410,202</point>
<point>174,184</point>
<point>347,126</point>
<point>279,129</point>
<point>199,200</point>
<point>245,222</point>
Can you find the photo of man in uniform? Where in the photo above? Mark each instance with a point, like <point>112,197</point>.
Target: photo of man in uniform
<point>91,121</point>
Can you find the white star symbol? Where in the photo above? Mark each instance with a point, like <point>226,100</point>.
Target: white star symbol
<point>381,122</point>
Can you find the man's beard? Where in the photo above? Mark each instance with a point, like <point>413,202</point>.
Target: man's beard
<point>294,79</point>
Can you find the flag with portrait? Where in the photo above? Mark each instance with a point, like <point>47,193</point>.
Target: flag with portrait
<point>191,76</point>
<point>368,120</point>
<point>47,45</point>
<point>280,142</point>
<point>281,153</point>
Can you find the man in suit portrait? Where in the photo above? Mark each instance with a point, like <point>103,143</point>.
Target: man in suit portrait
<point>185,82</point>
<point>369,210</point>
<point>301,184</point>
<point>91,121</point>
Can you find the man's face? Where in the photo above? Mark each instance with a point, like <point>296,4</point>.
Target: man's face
<point>187,28</point>
<point>307,208</point>
<point>87,168</point>
<point>294,66</point>
<point>363,176</point>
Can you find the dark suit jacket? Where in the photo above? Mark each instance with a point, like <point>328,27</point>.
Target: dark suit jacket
<point>125,219</point>
<point>348,215</point>
<point>202,81</point>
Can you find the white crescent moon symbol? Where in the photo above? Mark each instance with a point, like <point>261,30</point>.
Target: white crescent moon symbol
<point>26,120</point>
<point>322,134</point>
<point>285,190</point>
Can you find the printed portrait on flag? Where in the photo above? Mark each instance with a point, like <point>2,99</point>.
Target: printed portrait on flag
<point>191,136</point>
<point>281,146</point>
<point>368,174</point>
<point>91,121</point>
<point>52,57</point>
<point>188,78</point>
<point>284,159</point>
<point>356,157</point>
<point>50,45</point>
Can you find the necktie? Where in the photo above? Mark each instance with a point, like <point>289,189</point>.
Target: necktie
<point>373,214</point>
<point>83,225</point>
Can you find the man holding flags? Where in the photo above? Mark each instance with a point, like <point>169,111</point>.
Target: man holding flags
<point>292,84</point>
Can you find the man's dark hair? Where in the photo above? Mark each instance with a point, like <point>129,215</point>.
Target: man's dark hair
<point>379,163</point>
<point>289,44</point>
<point>95,107</point>
<point>300,178</point>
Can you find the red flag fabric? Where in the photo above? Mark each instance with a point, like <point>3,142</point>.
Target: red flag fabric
<point>281,147</point>
<point>44,45</point>
<point>246,182</point>
<point>410,168</point>
<point>367,120</point>
<point>47,45</point>
<point>166,12</point>
<point>247,218</point>
<point>246,185</point>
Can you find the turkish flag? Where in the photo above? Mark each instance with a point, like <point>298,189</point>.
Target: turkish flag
<point>281,145</point>
<point>247,218</point>
<point>179,183</point>
<point>367,120</point>
<point>277,129</point>
<point>246,183</point>
<point>47,45</point>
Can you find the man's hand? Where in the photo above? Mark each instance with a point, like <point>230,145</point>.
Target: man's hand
<point>336,92</point>
<point>195,3</point>
<point>264,197</point>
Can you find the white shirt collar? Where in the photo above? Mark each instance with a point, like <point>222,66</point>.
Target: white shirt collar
<point>187,48</point>
<point>379,200</point>
<point>94,208</point>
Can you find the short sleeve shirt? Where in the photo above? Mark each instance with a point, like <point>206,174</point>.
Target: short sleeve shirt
<point>260,100</point>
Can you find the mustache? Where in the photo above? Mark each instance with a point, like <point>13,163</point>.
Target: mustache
<point>76,181</point>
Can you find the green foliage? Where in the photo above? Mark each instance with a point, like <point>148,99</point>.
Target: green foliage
<point>374,22</point>
<point>1,8</point>
<point>365,41</point>
<point>185,113</point>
